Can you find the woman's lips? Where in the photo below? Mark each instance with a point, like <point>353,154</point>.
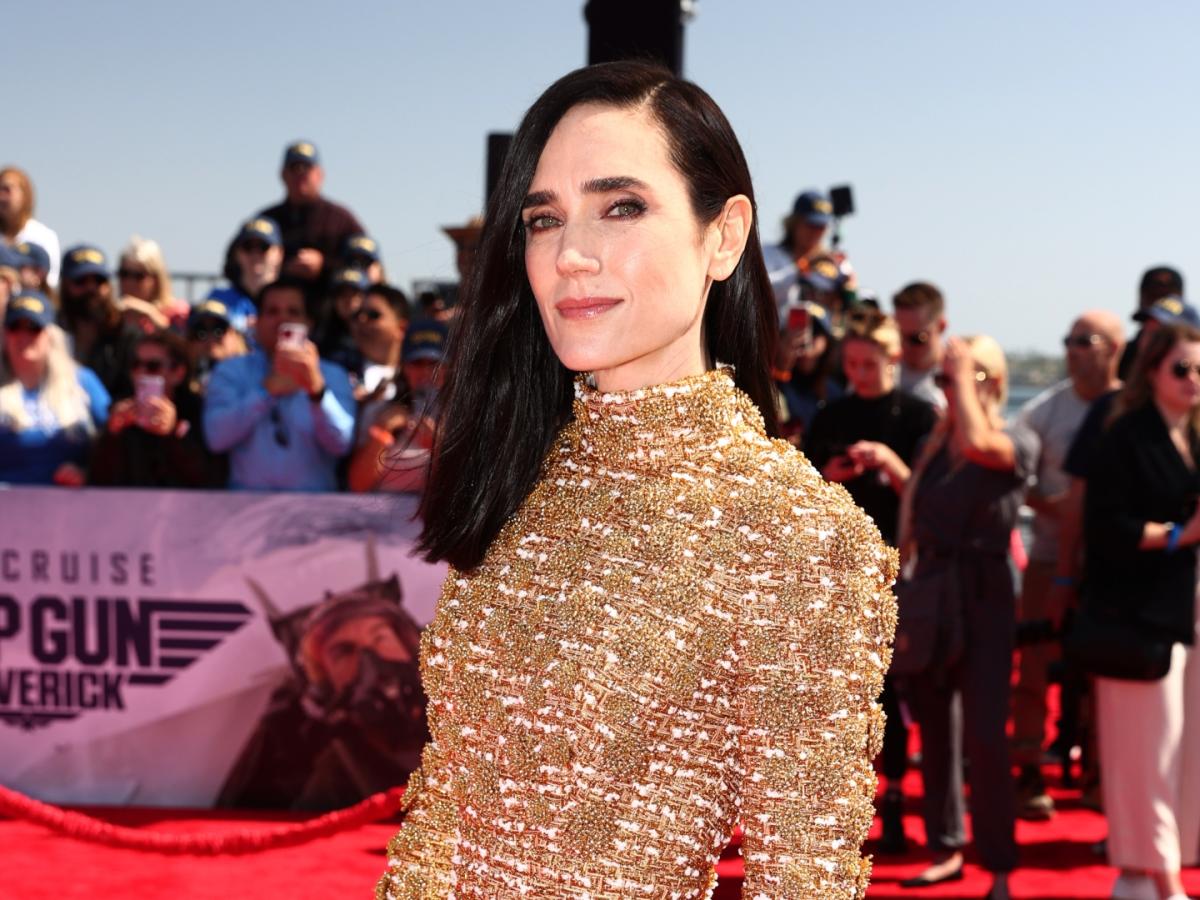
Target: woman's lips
<point>585,307</point>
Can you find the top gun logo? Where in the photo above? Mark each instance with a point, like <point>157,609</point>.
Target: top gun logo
<point>92,648</point>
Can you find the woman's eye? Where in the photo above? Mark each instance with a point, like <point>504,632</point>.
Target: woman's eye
<point>540,223</point>
<point>627,209</point>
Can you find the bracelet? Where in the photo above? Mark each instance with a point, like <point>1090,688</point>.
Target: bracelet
<point>1063,581</point>
<point>382,435</point>
<point>1173,536</point>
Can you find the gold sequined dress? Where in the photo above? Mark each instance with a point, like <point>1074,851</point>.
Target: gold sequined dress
<point>682,628</point>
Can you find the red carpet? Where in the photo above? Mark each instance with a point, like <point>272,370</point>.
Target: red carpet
<point>1056,857</point>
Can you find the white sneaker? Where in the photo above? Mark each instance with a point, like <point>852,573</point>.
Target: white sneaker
<point>1134,887</point>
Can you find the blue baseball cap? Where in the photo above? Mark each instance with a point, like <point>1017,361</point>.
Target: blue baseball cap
<point>260,229</point>
<point>813,207</point>
<point>824,275</point>
<point>84,259</point>
<point>208,309</point>
<point>9,257</point>
<point>1172,311</point>
<point>33,255</point>
<point>424,340</point>
<point>301,152</point>
<point>29,306</point>
<point>361,247</point>
<point>351,278</point>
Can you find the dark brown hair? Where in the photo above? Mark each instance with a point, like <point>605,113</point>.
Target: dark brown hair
<point>920,295</point>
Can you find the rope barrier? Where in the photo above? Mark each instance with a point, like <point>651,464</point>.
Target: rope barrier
<point>16,805</point>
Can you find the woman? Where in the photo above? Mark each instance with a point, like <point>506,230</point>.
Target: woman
<point>50,408</point>
<point>658,620</point>
<point>17,223</point>
<point>1142,526</point>
<point>961,506</point>
<point>867,442</point>
<point>142,274</point>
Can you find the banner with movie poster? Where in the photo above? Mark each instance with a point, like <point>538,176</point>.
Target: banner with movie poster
<point>172,648</point>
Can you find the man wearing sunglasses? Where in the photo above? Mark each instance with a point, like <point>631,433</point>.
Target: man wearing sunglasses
<point>101,339</point>
<point>921,318</point>
<point>1093,348</point>
<point>211,338</point>
<point>254,260</point>
<point>284,415</point>
<point>153,438</point>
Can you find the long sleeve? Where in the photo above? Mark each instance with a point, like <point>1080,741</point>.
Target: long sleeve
<point>1113,528</point>
<point>333,419</point>
<point>232,407</point>
<point>420,863</point>
<point>812,651</point>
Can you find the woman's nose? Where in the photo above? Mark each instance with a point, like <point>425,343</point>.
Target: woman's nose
<point>575,257</point>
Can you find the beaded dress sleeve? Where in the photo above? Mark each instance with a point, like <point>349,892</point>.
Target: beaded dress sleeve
<point>816,620</point>
<point>420,854</point>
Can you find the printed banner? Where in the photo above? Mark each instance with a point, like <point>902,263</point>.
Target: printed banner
<point>196,648</point>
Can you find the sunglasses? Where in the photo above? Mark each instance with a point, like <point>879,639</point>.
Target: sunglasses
<point>133,274</point>
<point>943,381</point>
<point>281,433</point>
<point>1182,369</point>
<point>23,326</point>
<point>149,366</point>
<point>253,247</point>
<point>370,315</point>
<point>917,339</point>
<point>88,281</point>
<point>216,332</point>
<point>1083,341</point>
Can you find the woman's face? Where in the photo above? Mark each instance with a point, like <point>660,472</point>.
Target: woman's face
<point>618,264</point>
<point>136,280</point>
<point>375,324</point>
<point>1176,381</point>
<point>867,367</point>
<point>25,344</point>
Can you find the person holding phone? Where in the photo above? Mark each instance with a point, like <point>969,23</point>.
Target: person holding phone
<point>284,415</point>
<point>154,438</point>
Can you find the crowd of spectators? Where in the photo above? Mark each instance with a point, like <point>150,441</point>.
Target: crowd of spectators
<point>308,371</point>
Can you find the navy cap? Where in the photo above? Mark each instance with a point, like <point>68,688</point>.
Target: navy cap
<point>824,275</point>
<point>1172,311</point>
<point>301,152</point>
<point>29,306</point>
<point>361,246</point>
<point>9,257</point>
<point>813,207</point>
<point>424,340</point>
<point>33,255</point>
<point>260,229</point>
<point>1163,278</point>
<point>84,259</point>
<point>208,309</point>
<point>348,277</point>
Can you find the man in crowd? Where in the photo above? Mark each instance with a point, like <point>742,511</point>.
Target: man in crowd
<point>211,338</point>
<point>154,439</point>
<point>90,315</point>
<point>921,318</point>
<point>1093,349</point>
<point>34,266</point>
<point>802,244</point>
<point>314,229</point>
<point>1158,283</point>
<point>255,260</point>
<point>284,415</point>
<point>362,252</point>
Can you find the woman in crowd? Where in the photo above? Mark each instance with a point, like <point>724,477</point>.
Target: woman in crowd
<point>867,441</point>
<point>50,407</point>
<point>142,274</point>
<point>17,223</point>
<point>805,363</point>
<point>960,508</point>
<point>254,260</point>
<point>659,621</point>
<point>1142,527</point>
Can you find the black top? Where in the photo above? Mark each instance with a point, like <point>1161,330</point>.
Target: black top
<point>322,225</point>
<point>1138,476</point>
<point>897,419</point>
<point>1087,438</point>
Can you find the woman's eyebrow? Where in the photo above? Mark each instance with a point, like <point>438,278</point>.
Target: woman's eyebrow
<point>593,186</point>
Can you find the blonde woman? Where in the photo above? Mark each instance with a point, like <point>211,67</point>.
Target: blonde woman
<point>142,274</point>
<point>50,407</point>
<point>959,511</point>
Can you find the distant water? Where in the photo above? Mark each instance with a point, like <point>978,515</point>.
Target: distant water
<point>1018,394</point>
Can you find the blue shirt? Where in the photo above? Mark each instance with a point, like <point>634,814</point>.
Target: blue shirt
<point>241,308</point>
<point>283,443</point>
<point>32,455</point>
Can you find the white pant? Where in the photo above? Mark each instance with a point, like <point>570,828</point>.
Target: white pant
<point>1149,734</point>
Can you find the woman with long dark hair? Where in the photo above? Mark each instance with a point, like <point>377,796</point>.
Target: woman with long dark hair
<point>659,620</point>
<point>1142,526</point>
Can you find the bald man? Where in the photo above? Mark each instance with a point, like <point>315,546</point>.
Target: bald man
<point>1093,347</point>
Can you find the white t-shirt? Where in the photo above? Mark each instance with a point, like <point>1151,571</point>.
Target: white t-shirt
<point>1055,415</point>
<point>36,233</point>
<point>922,386</point>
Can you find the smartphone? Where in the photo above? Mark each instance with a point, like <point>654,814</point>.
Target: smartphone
<point>292,334</point>
<point>147,387</point>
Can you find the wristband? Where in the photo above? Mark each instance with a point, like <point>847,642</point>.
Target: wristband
<point>1173,537</point>
<point>382,435</point>
<point>1063,581</point>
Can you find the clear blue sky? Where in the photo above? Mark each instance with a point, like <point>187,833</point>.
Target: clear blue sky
<point>1031,158</point>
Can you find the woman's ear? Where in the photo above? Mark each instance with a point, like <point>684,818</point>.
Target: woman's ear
<point>733,230</point>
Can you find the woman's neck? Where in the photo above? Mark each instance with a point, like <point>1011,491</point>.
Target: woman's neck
<point>30,374</point>
<point>1175,418</point>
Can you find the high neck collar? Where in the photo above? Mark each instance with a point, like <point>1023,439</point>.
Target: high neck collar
<point>647,422</point>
